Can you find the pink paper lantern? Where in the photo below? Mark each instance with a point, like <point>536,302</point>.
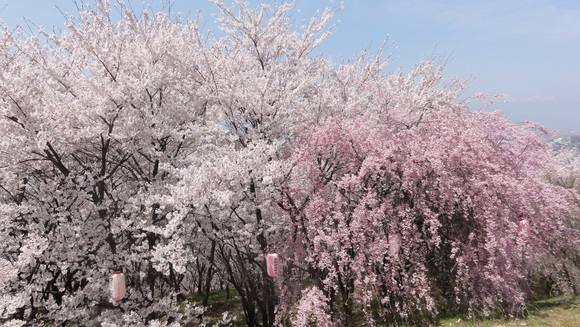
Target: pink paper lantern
<point>273,264</point>
<point>119,289</point>
<point>523,229</point>
<point>394,245</point>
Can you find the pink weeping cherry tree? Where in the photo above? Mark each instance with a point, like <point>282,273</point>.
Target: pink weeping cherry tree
<point>413,167</point>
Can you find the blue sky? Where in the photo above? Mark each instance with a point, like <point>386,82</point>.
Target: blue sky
<point>527,50</point>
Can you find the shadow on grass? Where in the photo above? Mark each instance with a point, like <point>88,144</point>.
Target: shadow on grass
<point>219,303</point>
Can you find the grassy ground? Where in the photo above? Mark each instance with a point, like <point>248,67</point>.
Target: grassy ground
<point>560,311</point>
<point>556,312</point>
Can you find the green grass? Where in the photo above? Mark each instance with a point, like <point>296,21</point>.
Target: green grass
<point>559,311</point>
<point>556,312</point>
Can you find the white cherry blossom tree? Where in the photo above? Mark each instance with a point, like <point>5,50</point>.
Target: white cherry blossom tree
<point>97,119</point>
<point>136,145</point>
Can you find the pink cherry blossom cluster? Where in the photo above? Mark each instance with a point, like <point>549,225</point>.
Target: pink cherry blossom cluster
<point>452,188</point>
